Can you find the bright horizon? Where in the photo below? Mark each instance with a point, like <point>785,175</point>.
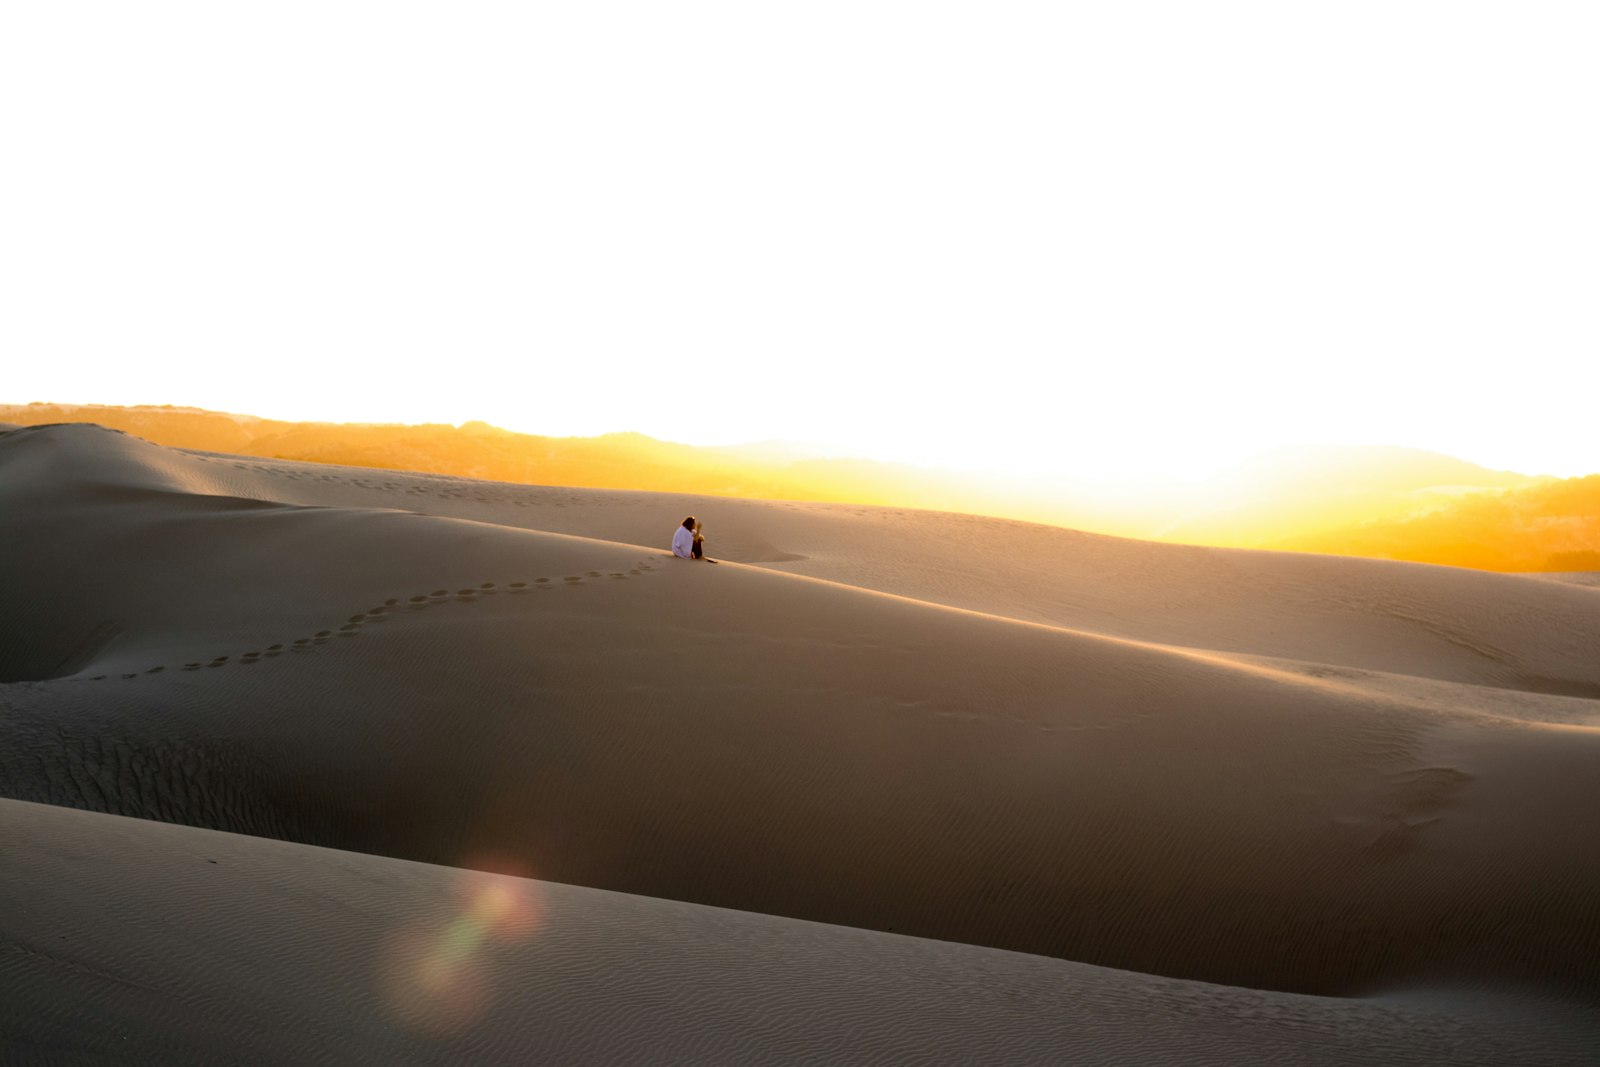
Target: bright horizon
<point>1133,243</point>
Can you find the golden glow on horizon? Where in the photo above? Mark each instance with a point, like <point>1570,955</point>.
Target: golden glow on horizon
<point>1377,502</point>
<point>1135,454</point>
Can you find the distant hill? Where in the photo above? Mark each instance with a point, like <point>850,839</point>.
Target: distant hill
<point>1553,526</point>
<point>1378,501</point>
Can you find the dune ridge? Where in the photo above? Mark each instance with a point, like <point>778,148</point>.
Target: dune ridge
<point>1313,775</point>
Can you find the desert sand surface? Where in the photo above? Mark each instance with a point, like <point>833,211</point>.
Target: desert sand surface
<point>1216,799</point>
<point>165,943</point>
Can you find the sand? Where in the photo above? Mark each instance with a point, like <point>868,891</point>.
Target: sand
<point>1154,802</point>
<point>170,944</point>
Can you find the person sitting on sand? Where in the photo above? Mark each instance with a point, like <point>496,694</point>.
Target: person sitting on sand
<point>683,541</point>
<point>688,542</point>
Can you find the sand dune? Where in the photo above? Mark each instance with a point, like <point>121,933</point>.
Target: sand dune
<point>1306,774</point>
<point>1488,629</point>
<point>169,944</point>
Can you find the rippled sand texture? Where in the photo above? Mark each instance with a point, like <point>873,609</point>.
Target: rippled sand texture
<point>1299,778</point>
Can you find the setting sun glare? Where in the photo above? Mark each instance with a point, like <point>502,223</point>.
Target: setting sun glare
<point>1145,241</point>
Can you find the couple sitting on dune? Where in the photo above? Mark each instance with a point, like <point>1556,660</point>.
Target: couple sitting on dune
<point>688,542</point>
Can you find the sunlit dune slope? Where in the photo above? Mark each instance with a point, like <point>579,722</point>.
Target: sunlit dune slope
<point>1261,769</point>
<point>133,941</point>
<point>1477,628</point>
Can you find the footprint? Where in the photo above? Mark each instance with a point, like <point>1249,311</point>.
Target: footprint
<point>466,592</point>
<point>594,574</point>
<point>219,661</point>
<point>391,602</point>
<point>541,581</point>
<point>155,670</point>
<point>301,642</point>
<point>275,648</point>
<point>418,599</point>
<point>323,633</point>
<point>357,618</point>
<point>125,677</point>
<point>574,579</point>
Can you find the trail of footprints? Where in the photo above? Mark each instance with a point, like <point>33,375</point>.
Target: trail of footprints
<point>393,605</point>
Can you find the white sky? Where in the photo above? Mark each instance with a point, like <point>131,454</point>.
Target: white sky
<point>1109,239</point>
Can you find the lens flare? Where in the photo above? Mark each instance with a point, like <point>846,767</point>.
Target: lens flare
<point>437,972</point>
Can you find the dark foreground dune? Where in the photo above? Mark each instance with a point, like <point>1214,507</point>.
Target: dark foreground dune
<point>1277,772</point>
<point>130,941</point>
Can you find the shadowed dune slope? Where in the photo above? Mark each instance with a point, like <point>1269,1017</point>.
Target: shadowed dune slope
<point>204,641</point>
<point>128,941</point>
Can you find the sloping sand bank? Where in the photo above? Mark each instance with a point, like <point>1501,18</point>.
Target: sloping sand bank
<point>129,941</point>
